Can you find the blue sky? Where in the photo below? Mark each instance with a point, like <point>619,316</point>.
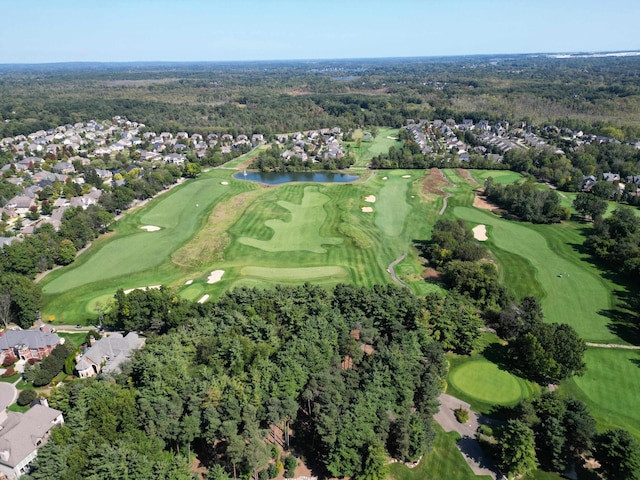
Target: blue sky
<point>36,31</point>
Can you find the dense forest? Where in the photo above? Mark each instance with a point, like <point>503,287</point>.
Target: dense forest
<point>353,372</point>
<point>272,98</point>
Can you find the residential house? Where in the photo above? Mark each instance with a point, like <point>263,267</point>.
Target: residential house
<point>107,354</point>
<point>26,344</point>
<point>21,434</point>
<point>21,204</point>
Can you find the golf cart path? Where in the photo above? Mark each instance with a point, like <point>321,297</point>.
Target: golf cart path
<point>468,445</point>
<point>612,345</point>
<point>393,273</point>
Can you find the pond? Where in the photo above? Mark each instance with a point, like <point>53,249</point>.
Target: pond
<point>278,178</point>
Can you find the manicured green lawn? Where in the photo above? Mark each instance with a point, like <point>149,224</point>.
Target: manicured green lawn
<point>499,176</point>
<point>610,387</point>
<point>479,380</point>
<point>258,236</point>
<point>540,260</point>
<point>297,230</point>
<point>485,381</point>
<point>444,461</point>
<point>76,339</point>
<point>373,147</point>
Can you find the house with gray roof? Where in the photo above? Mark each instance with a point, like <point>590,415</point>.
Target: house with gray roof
<point>108,354</point>
<point>26,344</point>
<point>21,434</point>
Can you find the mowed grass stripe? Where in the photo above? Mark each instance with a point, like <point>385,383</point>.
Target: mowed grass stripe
<point>559,274</point>
<point>391,207</point>
<point>610,387</point>
<point>295,274</point>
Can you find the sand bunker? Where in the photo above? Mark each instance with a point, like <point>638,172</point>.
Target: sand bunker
<point>406,176</point>
<point>385,178</point>
<point>142,288</point>
<point>367,209</point>
<point>188,282</point>
<point>215,276</point>
<point>370,199</point>
<point>224,183</point>
<point>480,233</point>
<point>150,228</point>
<point>204,298</point>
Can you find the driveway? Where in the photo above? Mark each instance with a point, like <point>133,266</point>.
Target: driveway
<point>468,445</point>
<point>8,395</point>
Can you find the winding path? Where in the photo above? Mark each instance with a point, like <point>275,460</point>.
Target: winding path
<point>393,273</point>
<point>612,345</point>
<point>444,204</point>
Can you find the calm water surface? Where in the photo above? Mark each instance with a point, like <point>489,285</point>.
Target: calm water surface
<point>278,178</point>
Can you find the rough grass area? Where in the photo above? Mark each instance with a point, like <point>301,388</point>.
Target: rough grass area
<point>444,461</point>
<point>610,387</point>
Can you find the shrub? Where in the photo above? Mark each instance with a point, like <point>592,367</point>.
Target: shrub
<point>26,397</point>
<point>485,430</point>
<point>273,471</point>
<point>275,452</point>
<point>462,415</point>
<point>290,464</point>
<point>32,361</point>
<point>10,371</point>
<point>263,474</point>
<point>8,361</point>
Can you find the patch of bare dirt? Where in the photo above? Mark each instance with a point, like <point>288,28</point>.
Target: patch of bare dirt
<point>431,274</point>
<point>466,174</point>
<point>480,201</point>
<point>197,468</point>
<point>434,182</point>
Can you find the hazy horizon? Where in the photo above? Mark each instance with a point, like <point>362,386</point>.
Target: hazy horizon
<point>194,31</point>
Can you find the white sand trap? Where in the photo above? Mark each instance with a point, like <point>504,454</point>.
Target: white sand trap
<point>204,298</point>
<point>215,276</point>
<point>406,176</point>
<point>126,292</point>
<point>385,178</point>
<point>188,282</point>
<point>370,199</point>
<point>150,228</point>
<point>367,209</point>
<point>224,183</point>
<point>480,233</point>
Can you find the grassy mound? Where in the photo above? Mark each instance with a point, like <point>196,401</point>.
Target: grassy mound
<point>484,381</point>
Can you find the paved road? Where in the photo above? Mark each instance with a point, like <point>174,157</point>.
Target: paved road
<point>468,445</point>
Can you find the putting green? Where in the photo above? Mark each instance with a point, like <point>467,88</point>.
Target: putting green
<point>302,230</point>
<point>484,381</point>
